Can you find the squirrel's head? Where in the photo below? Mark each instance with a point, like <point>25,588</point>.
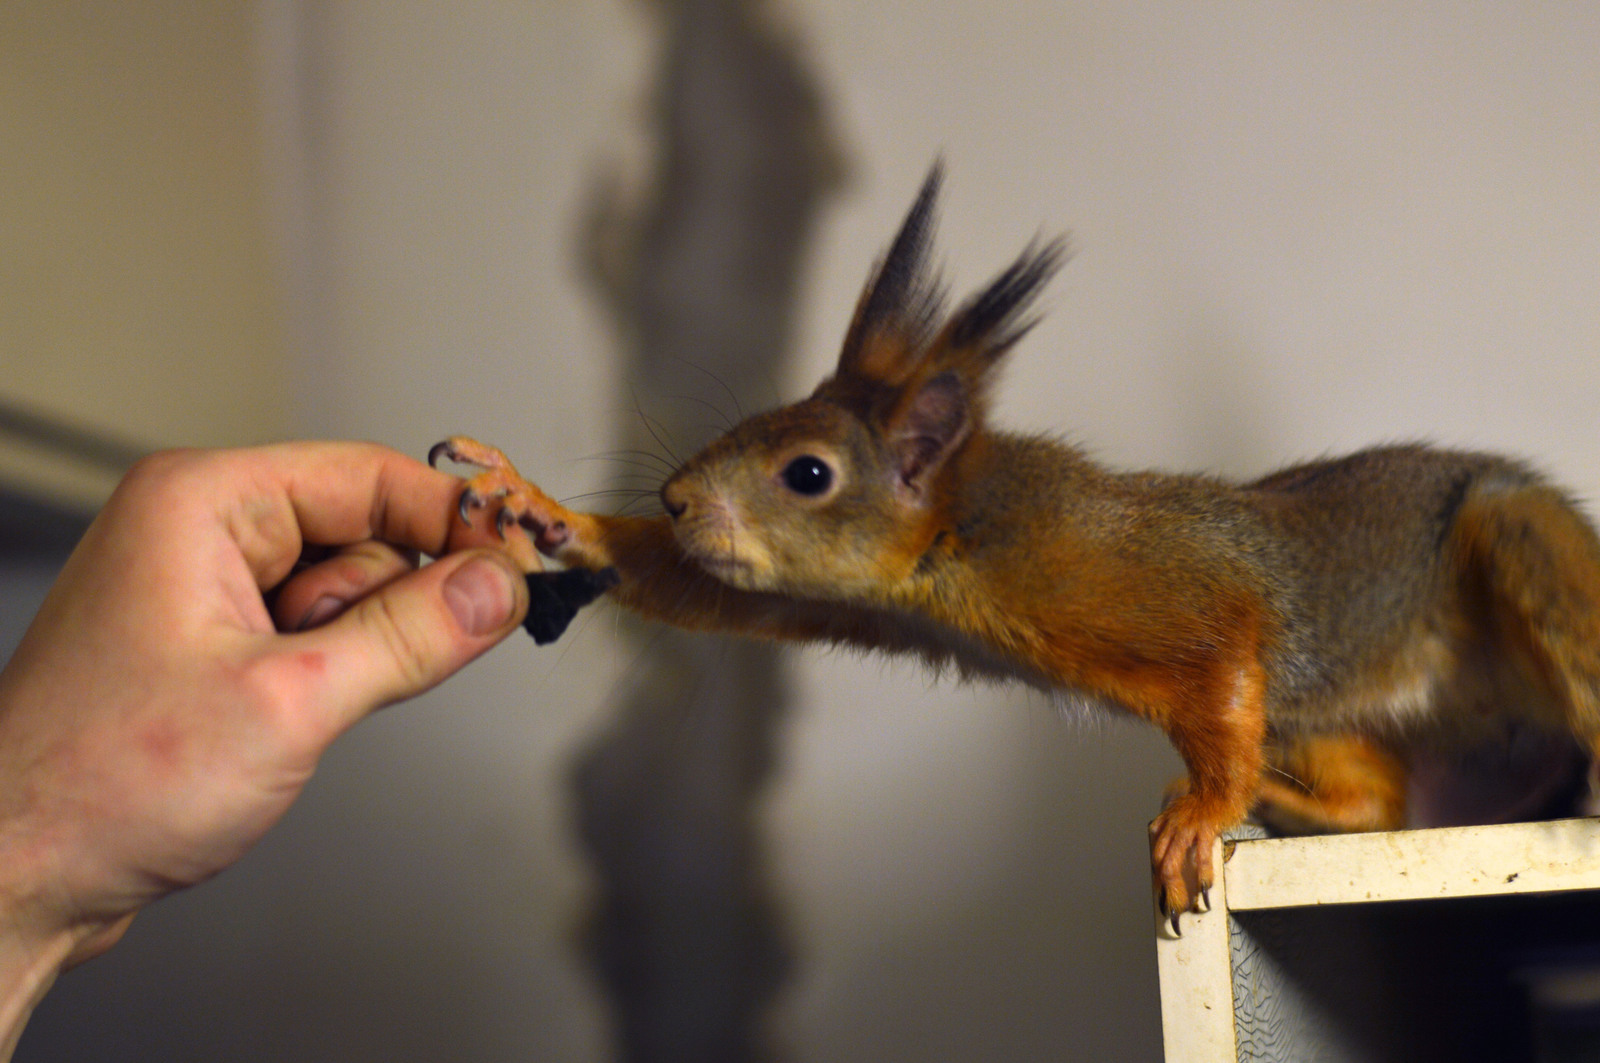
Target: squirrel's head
<point>839,494</point>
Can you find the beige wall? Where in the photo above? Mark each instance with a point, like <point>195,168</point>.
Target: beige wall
<point>1299,228</point>
<point>137,291</point>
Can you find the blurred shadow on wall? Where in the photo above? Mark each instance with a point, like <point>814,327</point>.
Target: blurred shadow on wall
<point>35,539</point>
<point>699,279</point>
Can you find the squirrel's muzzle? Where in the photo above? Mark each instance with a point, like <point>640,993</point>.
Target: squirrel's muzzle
<point>672,498</point>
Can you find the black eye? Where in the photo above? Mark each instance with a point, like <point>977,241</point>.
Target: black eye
<point>808,475</point>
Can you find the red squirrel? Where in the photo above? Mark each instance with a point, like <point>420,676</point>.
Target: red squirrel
<point>1283,633</point>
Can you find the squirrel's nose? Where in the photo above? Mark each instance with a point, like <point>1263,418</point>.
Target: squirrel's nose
<point>672,499</point>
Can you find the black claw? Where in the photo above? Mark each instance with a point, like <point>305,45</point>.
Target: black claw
<point>1161,902</point>
<point>503,521</point>
<point>469,499</point>
<point>1205,895</point>
<point>1176,932</point>
<point>437,451</point>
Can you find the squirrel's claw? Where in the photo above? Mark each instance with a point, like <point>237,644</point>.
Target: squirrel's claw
<point>469,501</point>
<point>1169,914</point>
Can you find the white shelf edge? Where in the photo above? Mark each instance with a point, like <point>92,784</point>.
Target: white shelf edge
<point>1196,976</point>
<point>1510,858</point>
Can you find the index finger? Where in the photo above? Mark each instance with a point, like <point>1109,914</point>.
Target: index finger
<point>335,494</point>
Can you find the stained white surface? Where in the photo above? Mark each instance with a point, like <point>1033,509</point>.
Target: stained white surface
<point>1506,858</point>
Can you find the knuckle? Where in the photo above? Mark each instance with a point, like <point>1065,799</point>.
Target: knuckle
<point>362,568</point>
<point>157,472</point>
<point>274,692</point>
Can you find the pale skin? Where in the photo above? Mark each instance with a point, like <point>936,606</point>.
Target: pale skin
<point>160,715</point>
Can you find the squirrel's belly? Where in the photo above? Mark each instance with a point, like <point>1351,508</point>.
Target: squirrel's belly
<point>1431,684</point>
<point>1398,691</point>
<point>942,646</point>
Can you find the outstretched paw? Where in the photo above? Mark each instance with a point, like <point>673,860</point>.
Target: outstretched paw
<point>517,506</point>
<point>1181,840</point>
<point>513,501</point>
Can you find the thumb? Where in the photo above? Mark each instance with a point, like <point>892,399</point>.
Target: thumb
<point>413,633</point>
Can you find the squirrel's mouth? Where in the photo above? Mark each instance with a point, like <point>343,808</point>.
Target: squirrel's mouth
<point>712,534</point>
<point>727,569</point>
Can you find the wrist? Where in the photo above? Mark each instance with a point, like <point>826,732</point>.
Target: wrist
<point>36,942</point>
<point>31,956</point>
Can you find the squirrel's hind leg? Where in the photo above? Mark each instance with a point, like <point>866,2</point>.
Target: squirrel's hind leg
<point>1331,784</point>
<point>1536,561</point>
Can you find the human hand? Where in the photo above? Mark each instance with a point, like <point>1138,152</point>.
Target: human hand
<point>158,717</point>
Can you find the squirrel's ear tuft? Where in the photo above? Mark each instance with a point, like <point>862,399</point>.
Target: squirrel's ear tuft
<point>990,323</point>
<point>900,336</point>
<point>898,309</point>
<point>934,420</point>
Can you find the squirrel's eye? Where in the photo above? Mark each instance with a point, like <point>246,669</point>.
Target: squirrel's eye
<point>807,475</point>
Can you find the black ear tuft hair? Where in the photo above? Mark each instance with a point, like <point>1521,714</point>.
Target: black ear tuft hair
<point>991,320</point>
<point>899,332</point>
<point>903,295</point>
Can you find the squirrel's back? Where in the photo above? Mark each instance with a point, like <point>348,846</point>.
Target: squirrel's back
<point>1367,581</point>
<point>1351,558</point>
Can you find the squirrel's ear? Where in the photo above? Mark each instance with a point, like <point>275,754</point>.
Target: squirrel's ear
<point>990,323</point>
<point>934,421</point>
<point>899,306</point>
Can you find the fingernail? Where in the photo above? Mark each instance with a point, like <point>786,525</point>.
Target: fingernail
<point>322,610</point>
<point>480,596</point>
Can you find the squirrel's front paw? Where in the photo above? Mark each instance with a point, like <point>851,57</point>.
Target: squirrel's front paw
<point>1181,840</point>
<point>514,501</point>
